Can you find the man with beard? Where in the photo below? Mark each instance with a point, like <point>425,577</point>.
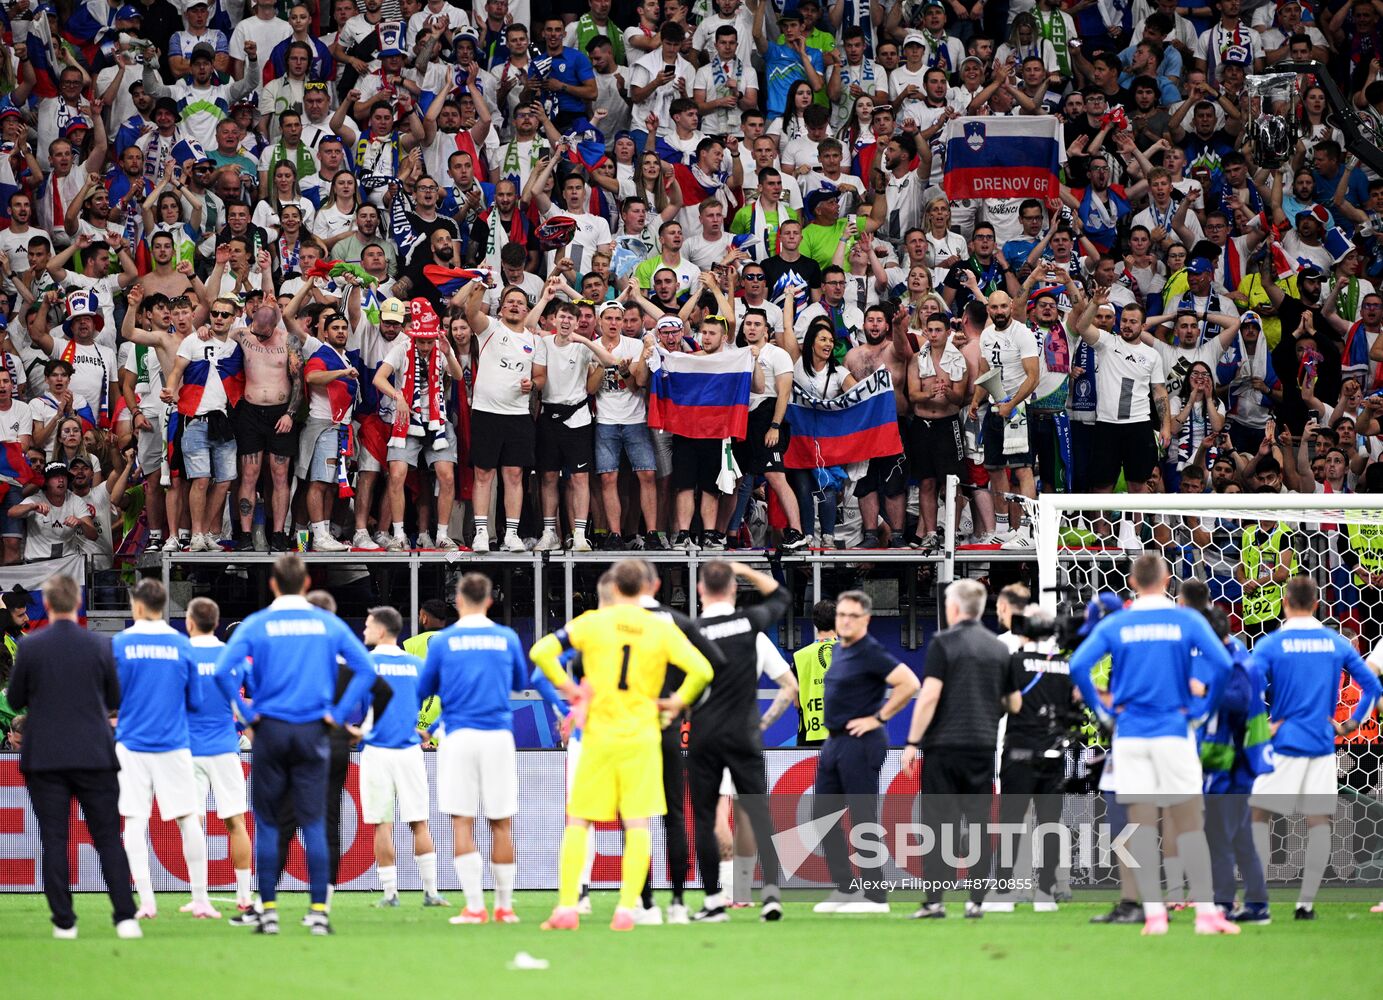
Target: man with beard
<point>1187,347</point>
<point>502,431</point>
<point>164,278</point>
<point>264,417</point>
<point>463,124</point>
<point>417,375</point>
<point>789,267</point>
<point>465,196</point>
<point>901,206</point>
<point>846,319</point>
<point>1011,348</point>
<point>523,153</point>
<point>365,234</point>
<point>66,181</point>
<point>494,227</point>
<point>885,482</point>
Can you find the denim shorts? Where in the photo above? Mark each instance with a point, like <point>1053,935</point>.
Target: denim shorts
<point>632,439</point>
<point>206,459</point>
<point>325,454</point>
<point>10,527</point>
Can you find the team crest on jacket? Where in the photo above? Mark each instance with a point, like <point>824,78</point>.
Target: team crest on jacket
<point>975,136</point>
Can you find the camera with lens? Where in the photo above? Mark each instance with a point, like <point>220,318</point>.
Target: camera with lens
<point>1036,625</point>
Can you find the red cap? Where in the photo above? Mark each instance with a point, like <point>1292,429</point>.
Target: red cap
<point>423,323</point>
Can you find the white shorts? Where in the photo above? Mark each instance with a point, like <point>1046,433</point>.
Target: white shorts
<point>1298,785</point>
<point>727,784</point>
<point>389,774</point>
<point>166,777</point>
<point>475,766</point>
<point>225,778</point>
<point>1163,770</point>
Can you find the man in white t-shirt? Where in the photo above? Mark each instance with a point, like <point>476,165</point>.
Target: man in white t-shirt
<point>709,246</point>
<point>622,428</point>
<point>657,79</point>
<point>100,499</point>
<point>94,371</point>
<point>1129,383</point>
<point>592,231</point>
<point>53,517</point>
<point>16,426</point>
<point>264,28</point>
<point>503,437</point>
<point>1010,348</point>
<point>198,385</point>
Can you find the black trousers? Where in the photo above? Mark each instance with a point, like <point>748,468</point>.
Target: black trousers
<point>98,793</point>
<point>957,789</point>
<point>675,821</point>
<point>847,777</point>
<point>338,766</point>
<point>708,756</point>
<point>1025,777</point>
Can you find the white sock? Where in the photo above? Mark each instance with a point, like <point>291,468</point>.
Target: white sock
<point>388,880</point>
<point>427,871</point>
<point>1262,843</point>
<point>470,873</point>
<point>1175,873</point>
<point>511,525</point>
<point>319,527</point>
<point>590,860</point>
<point>1317,857</point>
<point>1194,851</point>
<point>398,529</point>
<point>504,883</point>
<point>743,877</point>
<point>331,891</point>
<point>137,853</point>
<point>725,872</point>
<point>443,531</point>
<point>244,886</point>
<point>482,523</point>
<point>194,853</point>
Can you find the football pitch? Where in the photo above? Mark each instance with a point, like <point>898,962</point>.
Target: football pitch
<point>412,952</point>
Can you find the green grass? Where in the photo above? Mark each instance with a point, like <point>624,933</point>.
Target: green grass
<point>411,952</point>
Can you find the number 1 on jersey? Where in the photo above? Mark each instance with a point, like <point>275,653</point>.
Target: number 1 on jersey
<point>624,670</point>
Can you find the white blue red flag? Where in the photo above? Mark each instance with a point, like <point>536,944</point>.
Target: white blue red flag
<point>701,395</point>
<point>1003,157</point>
<point>853,427</point>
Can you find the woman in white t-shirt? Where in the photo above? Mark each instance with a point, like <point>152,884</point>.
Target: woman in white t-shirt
<point>945,248</point>
<point>816,371</point>
<point>283,190</point>
<point>792,125</point>
<point>1197,416</point>
<point>336,218</point>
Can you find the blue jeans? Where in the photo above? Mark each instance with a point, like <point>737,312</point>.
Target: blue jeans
<point>809,496</point>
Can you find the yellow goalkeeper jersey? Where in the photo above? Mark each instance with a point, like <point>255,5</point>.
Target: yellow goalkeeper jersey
<point>625,652</point>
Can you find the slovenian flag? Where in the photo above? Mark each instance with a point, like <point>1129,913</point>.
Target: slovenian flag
<point>585,144</point>
<point>853,427</point>
<point>341,392</point>
<point>230,370</point>
<point>450,280</point>
<point>1004,157</point>
<point>702,396</point>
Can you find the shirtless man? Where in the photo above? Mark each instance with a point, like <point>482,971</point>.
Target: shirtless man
<point>166,278</point>
<point>937,383</point>
<point>886,478</point>
<point>264,420</point>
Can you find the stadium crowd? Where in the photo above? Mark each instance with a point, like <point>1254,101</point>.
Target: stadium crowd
<point>414,254</point>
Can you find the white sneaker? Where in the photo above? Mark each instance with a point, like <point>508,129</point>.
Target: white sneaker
<point>129,930</point>
<point>550,542</point>
<point>323,542</point>
<point>1020,539</point>
<point>580,543</point>
<point>382,539</point>
<point>201,543</point>
<point>998,905</point>
<point>481,541</point>
<point>173,544</point>
<point>66,933</point>
<point>447,544</point>
<point>651,917</point>
<point>863,906</point>
<point>396,543</point>
<point>425,541</point>
<point>677,913</point>
<point>513,543</point>
<point>1044,906</point>
<point>833,902</point>
<point>362,540</point>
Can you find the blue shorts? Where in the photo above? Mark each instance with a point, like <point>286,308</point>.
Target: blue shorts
<point>206,459</point>
<point>631,439</point>
<point>10,527</point>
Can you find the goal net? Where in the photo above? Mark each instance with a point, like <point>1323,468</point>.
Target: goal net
<point>1245,547</point>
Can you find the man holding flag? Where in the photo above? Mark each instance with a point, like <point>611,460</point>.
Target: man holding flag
<point>207,380</point>
<point>325,444</point>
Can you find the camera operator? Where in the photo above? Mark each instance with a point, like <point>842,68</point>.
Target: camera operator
<point>1035,744</point>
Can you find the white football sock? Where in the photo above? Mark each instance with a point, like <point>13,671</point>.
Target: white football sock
<point>427,871</point>
<point>470,873</point>
<point>388,880</point>
<point>1147,872</point>
<point>504,884</point>
<point>137,852</point>
<point>244,886</point>
<point>194,853</point>
<point>725,871</point>
<point>398,529</point>
<point>1317,857</point>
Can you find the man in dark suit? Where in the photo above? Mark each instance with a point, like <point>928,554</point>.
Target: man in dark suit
<point>64,678</point>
